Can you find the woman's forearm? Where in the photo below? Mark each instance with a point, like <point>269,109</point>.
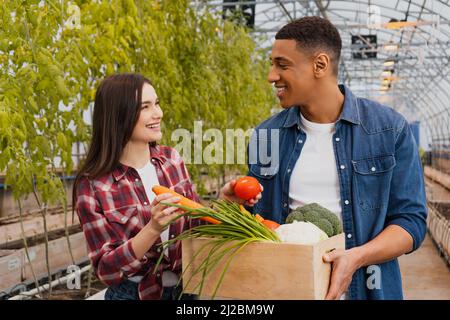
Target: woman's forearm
<point>144,240</point>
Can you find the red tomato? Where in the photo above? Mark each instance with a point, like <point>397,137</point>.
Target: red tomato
<point>247,188</point>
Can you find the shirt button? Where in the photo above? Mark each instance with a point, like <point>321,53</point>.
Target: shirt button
<point>158,275</point>
<point>289,170</point>
<point>123,219</point>
<point>153,160</point>
<point>338,139</point>
<point>172,236</point>
<point>145,203</point>
<point>158,250</point>
<point>346,202</point>
<point>373,169</point>
<point>349,235</point>
<point>285,205</point>
<point>136,179</point>
<point>300,141</point>
<point>342,167</point>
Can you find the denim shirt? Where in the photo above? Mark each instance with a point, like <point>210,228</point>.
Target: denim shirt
<point>381,183</point>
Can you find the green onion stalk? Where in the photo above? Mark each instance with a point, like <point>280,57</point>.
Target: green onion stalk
<point>237,229</point>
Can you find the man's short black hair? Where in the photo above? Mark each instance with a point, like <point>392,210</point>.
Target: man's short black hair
<point>312,34</point>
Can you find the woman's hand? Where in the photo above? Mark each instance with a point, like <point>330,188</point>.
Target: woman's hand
<point>162,214</point>
<point>344,265</point>
<point>227,193</point>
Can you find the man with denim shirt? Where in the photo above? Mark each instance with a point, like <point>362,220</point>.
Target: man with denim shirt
<point>365,159</point>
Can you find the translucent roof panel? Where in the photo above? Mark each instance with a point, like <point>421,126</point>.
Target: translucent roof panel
<point>408,66</point>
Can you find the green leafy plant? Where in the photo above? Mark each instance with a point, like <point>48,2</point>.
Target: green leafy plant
<point>203,68</point>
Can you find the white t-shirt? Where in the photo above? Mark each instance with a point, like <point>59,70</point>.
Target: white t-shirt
<point>149,178</point>
<point>315,177</point>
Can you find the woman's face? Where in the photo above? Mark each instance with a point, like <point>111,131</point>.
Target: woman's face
<point>148,126</point>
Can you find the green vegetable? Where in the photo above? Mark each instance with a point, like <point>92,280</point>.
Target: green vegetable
<point>237,229</point>
<point>318,215</point>
<point>295,215</point>
<point>325,226</point>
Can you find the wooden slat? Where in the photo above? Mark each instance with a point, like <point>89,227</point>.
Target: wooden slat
<point>438,176</point>
<point>265,270</point>
<point>11,269</point>
<point>439,227</point>
<point>322,271</point>
<point>15,268</point>
<point>11,233</point>
<point>59,256</point>
<point>6,252</point>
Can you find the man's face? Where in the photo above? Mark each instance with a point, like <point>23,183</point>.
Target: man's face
<point>291,73</point>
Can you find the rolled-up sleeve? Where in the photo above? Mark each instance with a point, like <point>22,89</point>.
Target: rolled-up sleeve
<point>407,202</point>
<point>112,258</point>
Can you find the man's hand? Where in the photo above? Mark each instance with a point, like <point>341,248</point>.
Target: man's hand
<point>344,265</point>
<point>227,193</point>
<point>391,243</point>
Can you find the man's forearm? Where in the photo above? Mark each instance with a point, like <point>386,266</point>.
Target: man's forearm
<point>391,243</point>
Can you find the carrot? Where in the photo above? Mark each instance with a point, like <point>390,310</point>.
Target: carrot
<point>183,202</point>
<point>270,224</point>
<point>259,218</point>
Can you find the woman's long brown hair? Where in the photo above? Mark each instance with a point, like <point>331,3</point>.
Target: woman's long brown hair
<point>116,111</point>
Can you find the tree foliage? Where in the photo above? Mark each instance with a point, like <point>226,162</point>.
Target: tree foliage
<point>203,69</point>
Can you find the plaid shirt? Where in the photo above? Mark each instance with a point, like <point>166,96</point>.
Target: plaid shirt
<point>114,208</point>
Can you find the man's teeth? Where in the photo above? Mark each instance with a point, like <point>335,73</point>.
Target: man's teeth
<point>151,126</point>
<point>281,89</point>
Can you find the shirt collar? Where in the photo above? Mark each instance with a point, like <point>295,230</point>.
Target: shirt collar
<point>121,170</point>
<point>349,111</point>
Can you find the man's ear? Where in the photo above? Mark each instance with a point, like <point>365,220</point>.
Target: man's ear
<point>321,65</point>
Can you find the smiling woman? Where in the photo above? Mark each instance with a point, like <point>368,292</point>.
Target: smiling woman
<point>122,219</point>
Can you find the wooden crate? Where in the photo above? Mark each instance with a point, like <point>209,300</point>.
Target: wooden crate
<point>266,270</point>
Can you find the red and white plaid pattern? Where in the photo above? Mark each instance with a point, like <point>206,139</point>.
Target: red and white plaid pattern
<point>114,208</point>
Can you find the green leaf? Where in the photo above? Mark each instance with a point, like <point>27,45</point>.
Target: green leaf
<point>62,140</point>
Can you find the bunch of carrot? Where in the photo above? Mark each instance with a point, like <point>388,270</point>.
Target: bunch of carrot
<point>195,205</point>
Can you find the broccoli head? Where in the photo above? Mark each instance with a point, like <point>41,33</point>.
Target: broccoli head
<point>318,215</point>
<point>325,226</point>
<point>295,215</point>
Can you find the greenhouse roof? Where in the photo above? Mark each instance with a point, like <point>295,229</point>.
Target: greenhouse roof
<point>394,51</point>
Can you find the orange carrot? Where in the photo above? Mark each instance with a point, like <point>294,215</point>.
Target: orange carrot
<point>183,202</point>
<point>270,224</point>
<point>259,218</point>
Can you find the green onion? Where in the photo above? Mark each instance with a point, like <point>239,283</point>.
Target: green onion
<point>236,230</point>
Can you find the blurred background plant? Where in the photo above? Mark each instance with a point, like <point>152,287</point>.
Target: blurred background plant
<point>54,53</point>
